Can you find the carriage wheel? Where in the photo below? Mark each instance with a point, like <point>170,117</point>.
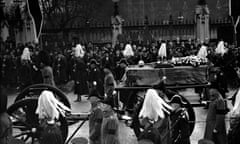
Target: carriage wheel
<point>36,89</point>
<point>26,124</point>
<point>136,124</point>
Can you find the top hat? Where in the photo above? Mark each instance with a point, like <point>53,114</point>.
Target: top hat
<point>177,99</point>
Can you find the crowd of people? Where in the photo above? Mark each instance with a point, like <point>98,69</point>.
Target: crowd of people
<point>62,60</point>
<point>96,70</point>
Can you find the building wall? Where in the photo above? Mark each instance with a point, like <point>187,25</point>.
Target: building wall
<point>161,9</point>
<point>156,10</point>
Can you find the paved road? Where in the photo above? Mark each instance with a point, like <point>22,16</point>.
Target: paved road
<point>126,134</point>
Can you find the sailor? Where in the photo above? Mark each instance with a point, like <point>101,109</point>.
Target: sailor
<point>179,121</point>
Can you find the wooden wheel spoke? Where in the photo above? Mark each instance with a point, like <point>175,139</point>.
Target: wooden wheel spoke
<point>27,132</point>
<point>18,127</point>
<point>21,121</point>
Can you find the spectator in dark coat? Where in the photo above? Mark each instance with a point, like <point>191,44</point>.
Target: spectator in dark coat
<point>60,69</point>
<point>96,76</point>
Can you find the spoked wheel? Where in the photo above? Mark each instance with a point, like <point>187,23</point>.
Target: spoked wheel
<point>36,89</point>
<point>136,123</point>
<point>26,124</point>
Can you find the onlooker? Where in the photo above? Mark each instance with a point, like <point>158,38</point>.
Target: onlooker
<point>80,73</point>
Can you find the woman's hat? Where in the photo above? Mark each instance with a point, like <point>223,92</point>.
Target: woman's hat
<point>177,99</point>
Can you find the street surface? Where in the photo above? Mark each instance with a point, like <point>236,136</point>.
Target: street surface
<point>127,135</point>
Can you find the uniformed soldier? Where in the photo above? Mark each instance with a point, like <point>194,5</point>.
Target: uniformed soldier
<point>179,120</point>
<point>80,73</point>
<point>49,110</point>
<point>154,117</point>
<point>26,69</point>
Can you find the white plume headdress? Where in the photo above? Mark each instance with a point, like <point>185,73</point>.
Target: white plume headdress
<point>49,107</point>
<point>26,54</point>
<point>128,51</point>
<point>220,48</point>
<point>162,52</point>
<point>154,106</point>
<point>202,53</point>
<point>79,52</point>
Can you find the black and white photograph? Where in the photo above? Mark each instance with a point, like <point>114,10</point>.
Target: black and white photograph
<point>120,72</point>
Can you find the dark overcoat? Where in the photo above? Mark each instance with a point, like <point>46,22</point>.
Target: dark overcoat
<point>80,77</point>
